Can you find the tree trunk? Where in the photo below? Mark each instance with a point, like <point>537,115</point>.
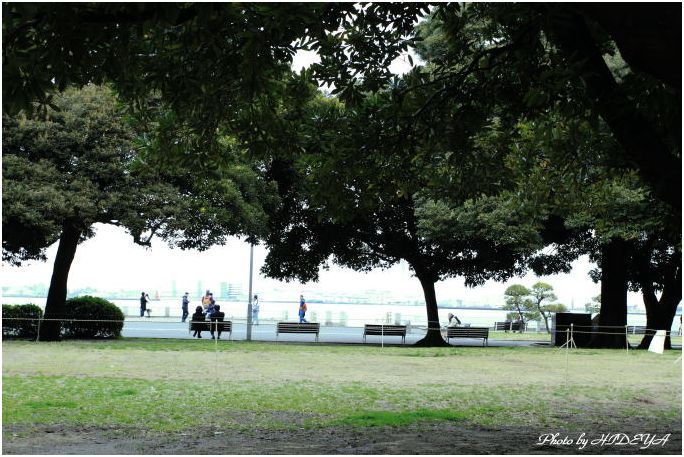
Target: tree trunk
<point>661,313</point>
<point>613,316</point>
<point>546,321</point>
<point>434,333</point>
<point>55,306</point>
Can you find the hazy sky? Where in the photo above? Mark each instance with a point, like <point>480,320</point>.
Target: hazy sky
<point>111,261</point>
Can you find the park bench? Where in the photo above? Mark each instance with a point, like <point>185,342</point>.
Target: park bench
<point>508,326</point>
<point>384,330</point>
<point>468,332</point>
<point>208,326</point>
<point>636,329</point>
<point>298,327</point>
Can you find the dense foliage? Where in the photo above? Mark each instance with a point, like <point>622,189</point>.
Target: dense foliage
<point>92,317</point>
<point>21,321</point>
<point>83,163</point>
<point>529,135</point>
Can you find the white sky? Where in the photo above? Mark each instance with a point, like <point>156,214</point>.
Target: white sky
<point>111,261</point>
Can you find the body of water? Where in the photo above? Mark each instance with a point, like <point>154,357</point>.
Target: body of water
<point>351,315</point>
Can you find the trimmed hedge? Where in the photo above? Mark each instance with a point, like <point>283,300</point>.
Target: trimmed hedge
<point>96,318</point>
<point>20,321</point>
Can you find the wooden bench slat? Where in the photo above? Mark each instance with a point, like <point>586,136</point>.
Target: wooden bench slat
<point>298,327</point>
<point>208,326</point>
<point>384,330</point>
<point>508,325</point>
<point>469,332</point>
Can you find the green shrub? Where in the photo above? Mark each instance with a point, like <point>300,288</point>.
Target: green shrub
<point>20,321</point>
<point>93,317</point>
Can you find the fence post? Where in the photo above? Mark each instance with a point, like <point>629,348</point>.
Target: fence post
<point>627,338</point>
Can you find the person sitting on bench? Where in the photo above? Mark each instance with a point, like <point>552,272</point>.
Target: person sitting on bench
<point>454,321</point>
<point>198,316</point>
<point>216,316</point>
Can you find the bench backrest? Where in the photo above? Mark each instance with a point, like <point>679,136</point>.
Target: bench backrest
<point>636,329</point>
<point>298,327</point>
<point>381,329</point>
<point>499,326</point>
<point>468,332</point>
<point>224,326</point>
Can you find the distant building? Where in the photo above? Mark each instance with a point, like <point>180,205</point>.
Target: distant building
<point>230,291</point>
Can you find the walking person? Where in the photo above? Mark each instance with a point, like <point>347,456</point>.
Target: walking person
<point>302,309</point>
<point>197,317</point>
<point>255,310</point>
<point>184,307</point>
<point>144,299</point>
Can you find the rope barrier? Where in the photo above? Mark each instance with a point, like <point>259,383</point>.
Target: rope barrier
<point>625,330</point>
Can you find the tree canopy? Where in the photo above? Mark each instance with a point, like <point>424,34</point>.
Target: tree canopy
<point>78,166</point>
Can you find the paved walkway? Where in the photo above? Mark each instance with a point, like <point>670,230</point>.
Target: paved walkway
<point>165,328</point>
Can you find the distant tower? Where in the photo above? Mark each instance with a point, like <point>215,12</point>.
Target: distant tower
<point>225,290</point>
<point>200,291</point>
<point>174,290</point>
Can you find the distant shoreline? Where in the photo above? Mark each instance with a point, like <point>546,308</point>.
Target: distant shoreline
<point>476,308</point>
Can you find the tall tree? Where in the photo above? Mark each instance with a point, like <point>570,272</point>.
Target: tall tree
<point>542,294</point>
<point>76,167</point>
<point>517,299</point>
<point>657,268</point>
<point>349,195</point>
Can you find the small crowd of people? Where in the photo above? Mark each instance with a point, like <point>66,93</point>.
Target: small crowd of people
<point>210,310</point>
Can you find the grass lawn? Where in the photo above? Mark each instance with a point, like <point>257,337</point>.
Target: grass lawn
<point>542,336</point>
<point>170,386</point>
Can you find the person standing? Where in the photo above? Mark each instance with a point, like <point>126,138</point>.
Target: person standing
<point>144,299</point>
<point>302,309</point>
<point>210,308</point>
<point>206,299</point>
<point>184,307</point>
<point>255,310</point>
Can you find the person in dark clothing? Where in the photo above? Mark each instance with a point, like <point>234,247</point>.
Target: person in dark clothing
<point>217,316</point>
<point>184,307</point>
<point>144,299</point>
<point>198,316</point>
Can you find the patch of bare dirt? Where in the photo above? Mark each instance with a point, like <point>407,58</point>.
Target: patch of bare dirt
<point>424,438</point>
